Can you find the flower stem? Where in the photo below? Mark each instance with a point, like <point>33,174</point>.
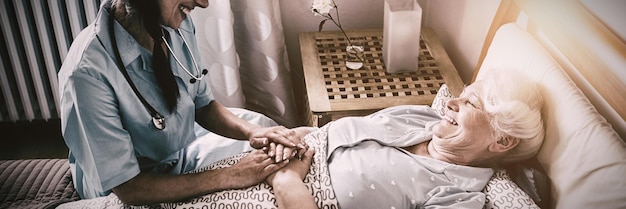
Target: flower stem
<point>338,24</point>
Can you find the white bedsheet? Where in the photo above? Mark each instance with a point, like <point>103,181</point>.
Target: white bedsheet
<point>213,147</point>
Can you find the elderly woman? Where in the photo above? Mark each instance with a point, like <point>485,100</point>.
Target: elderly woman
<point>131,89</point>
<point>410,157</point>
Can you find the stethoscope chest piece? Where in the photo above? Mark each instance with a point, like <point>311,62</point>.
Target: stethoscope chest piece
<point>158,121</point>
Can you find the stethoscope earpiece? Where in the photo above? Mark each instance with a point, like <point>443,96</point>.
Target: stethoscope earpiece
<point>194,78</point>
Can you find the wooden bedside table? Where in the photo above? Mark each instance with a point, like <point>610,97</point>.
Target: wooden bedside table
<point>334,91</point>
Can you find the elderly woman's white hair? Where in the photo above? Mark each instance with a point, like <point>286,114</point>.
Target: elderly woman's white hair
<point>515,103</point>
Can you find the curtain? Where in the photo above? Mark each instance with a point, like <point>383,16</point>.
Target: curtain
<point>242,44</point>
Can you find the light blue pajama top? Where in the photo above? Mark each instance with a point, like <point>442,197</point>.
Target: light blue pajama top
<point>107,129</point>
<point>369,169</point>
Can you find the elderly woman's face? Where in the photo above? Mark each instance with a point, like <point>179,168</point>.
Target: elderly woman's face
<point>465,131</point>
<point>173,12</point>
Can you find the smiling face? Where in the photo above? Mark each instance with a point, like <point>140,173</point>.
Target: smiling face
<point>173,12</point>
<point>464,134</point>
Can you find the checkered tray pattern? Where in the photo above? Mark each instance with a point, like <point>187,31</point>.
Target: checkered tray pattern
<point>372,81</point>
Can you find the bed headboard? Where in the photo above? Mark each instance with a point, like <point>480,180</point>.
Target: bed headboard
<point>579,65</point>
<point>589,51</point>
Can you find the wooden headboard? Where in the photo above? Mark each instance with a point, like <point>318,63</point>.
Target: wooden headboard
<point>588,50</point>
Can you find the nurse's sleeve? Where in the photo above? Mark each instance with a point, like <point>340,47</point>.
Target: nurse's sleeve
<point>204,95</point>
<point>94,132</point>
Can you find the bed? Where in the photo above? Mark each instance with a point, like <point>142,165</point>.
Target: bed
<point>582,163</point>
<point>580,64</point>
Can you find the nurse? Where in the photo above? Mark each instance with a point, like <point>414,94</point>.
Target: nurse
<point>131,89</point>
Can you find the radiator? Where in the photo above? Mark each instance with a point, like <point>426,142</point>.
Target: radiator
<point>36,35</point>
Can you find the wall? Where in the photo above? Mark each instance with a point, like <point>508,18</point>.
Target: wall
<point>460,25</point>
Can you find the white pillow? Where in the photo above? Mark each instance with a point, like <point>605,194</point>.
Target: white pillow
<point>439,103</point>
<point>582,154</point>
<point>502,192</point>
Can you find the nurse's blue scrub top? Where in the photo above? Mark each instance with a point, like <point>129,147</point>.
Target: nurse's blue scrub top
<point>108,130</point>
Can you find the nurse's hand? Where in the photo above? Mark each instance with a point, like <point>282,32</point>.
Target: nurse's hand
<point>279,142</point>
<point>262,137</point>
<point>253,169</point>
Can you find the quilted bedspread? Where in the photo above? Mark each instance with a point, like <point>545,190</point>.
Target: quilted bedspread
<point>35,183</point>
<point>261,195</point>
<point>47,183</point>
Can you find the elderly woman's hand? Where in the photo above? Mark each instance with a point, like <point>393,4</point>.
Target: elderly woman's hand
<point>295,170</point>
<point>280,142</point>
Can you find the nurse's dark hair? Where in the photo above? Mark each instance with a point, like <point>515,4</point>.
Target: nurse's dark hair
<point>149,12</point>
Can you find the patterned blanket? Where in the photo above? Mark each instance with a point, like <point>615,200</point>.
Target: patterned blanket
<point>317,182</point>
<point>501,191</point>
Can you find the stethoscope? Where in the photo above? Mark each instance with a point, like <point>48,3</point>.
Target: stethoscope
<point>194,78</point>
<point>157,119</point>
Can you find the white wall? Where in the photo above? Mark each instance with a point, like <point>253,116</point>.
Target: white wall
<point>461,26</point>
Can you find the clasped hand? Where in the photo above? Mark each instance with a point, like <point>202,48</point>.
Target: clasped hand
<point>280,143</point>
<point>274,147</point>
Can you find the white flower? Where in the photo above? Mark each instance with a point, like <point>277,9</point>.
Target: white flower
<point>322,7</point>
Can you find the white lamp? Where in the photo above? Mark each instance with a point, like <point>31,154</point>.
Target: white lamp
<point>401,35</point>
